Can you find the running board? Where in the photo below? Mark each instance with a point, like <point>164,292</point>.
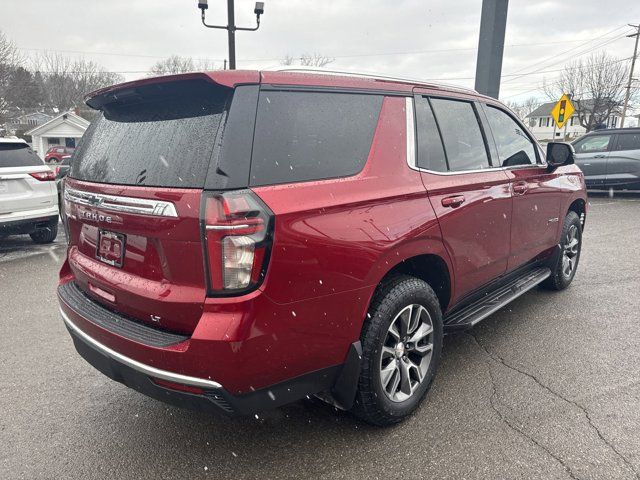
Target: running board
<point>470,315</point>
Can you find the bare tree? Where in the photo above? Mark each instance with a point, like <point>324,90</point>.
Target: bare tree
<point>308,60</point>
<point>10,60</point>
<point>288,60</point>
<point>596,87</point>
<point>176,64</point>
<point>68,80</point>
<point>522,109</point>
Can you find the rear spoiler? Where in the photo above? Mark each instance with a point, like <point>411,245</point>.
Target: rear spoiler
<point>128,90</point>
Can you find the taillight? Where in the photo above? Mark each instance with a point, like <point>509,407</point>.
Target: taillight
<point>237,229</point>
<point>44,176</point>
<point>57,171</point>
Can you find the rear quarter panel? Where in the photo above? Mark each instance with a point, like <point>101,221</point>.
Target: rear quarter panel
<point>336,239</point>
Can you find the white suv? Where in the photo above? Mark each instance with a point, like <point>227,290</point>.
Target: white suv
<point>28,194</point>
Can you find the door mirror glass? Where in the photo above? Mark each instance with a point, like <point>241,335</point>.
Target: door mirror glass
<point>559,153</point>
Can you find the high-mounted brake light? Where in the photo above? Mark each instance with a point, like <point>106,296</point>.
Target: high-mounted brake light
<point>237,230</point>
<point>44,176</point>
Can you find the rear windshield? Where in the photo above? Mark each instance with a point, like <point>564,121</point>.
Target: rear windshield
<point>162,136</point>
<point>304,136</point>
<point>18,155</point>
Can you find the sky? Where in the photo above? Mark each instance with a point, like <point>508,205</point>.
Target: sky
<point>428,39</point>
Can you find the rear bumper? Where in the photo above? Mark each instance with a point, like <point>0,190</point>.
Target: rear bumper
<point>213,397</point>
<point>30,223</point>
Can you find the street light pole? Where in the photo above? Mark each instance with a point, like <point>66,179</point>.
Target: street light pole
<point>633,64</point>
<point>231,32</point>
<point>231,25</point>
<point>493,23</point>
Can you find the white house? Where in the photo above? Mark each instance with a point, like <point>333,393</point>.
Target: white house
<point>65,130</point>
<point>26,120</point>
<point>541,123</point>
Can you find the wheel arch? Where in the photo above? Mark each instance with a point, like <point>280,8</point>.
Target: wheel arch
<point>579,206</point>
<point>429,267</point>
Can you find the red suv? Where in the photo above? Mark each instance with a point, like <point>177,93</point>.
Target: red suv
<point>239,240</point>
<point>55,154</point>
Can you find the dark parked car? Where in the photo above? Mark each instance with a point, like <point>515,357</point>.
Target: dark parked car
<point>55,154</point>
<point>239,240</point>
<point>610,158</point>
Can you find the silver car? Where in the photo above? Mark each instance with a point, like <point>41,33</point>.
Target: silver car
<point>610,158</point>
<point>28,194</point>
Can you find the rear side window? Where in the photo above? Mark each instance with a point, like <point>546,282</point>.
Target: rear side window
<point>628,141</point>
<point>162,137</point>
<point>18,155</point>
<point>463,141</point>
<point>430,150</point>
<point>513,144</point>
<point>301,136</point>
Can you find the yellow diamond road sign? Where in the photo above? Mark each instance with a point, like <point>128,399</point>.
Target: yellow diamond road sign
<point>562,111</point>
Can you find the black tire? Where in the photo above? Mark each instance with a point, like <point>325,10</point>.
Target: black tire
<point>45,235</point>
<point>373,403</point>
<point>559,279</point>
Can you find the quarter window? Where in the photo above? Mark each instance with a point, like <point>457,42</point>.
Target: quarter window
<point>513,144</point>
<point>303,136</point>
<point>461,135</point>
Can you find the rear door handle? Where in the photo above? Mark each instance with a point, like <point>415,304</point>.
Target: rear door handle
<point>520,188</point>
<point>454,201</point>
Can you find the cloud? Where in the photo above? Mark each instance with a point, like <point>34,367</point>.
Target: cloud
<point>424,39</point>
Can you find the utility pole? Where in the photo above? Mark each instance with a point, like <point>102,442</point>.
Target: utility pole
<point>633,64</point>
<point>231,27</point>
<point>493,24</point>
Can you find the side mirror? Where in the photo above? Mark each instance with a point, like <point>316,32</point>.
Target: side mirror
<point>559,154</point>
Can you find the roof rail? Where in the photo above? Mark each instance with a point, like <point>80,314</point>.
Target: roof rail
<point>374,76</point>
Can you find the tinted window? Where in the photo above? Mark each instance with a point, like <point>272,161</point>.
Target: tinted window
<point>166,140</point>
<point>593,143</point>
<point>513,144</point>
<point>18,155</point>
<point>628,141</point>
<point>461,134</point>
<point>309,136</point>
<point>430,150</point>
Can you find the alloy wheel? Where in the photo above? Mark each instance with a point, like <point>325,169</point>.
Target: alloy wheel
<point>406,352</point>
<point>571,252</point>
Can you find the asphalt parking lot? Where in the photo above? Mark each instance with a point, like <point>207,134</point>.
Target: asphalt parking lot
<point>548,387</point>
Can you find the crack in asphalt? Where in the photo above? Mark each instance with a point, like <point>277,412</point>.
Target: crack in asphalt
<point>499,359</point>
<point>494,394</point>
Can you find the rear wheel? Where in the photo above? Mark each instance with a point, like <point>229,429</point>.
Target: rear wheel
<point>402,341</point>
<point>45,235</point>
<point>564,270</point>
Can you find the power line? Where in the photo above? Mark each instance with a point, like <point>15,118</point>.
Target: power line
<point>571,49</point>
<point>361,55</point>
<point>589,50</point>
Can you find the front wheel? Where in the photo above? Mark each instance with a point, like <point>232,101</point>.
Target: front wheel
<point>564,269</point>
<point>401,342</point>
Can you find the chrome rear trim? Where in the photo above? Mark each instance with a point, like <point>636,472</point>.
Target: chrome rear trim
<point>226,227</point>
<point>136,365</point>
<point>115,203</point>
